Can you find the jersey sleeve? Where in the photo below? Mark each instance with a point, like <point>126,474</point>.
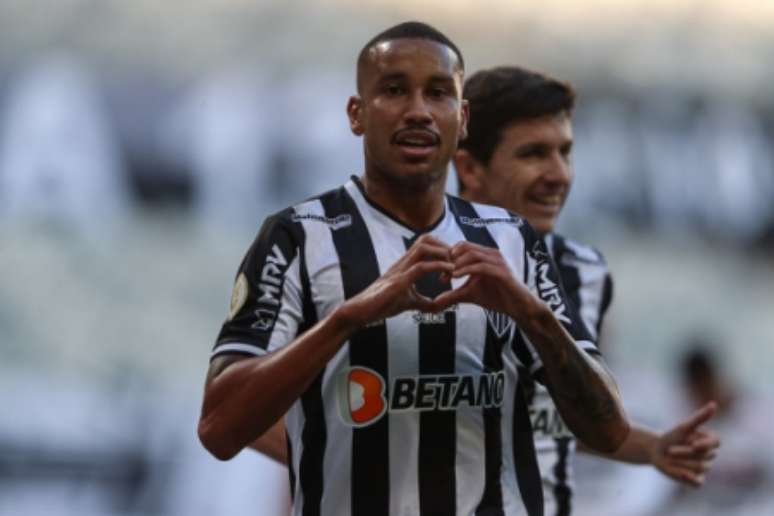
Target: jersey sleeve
<point>607,299</point>
<point>266,308</point>
<point>542,278</point>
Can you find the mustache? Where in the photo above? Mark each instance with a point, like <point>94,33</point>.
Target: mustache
<point>410,131</point>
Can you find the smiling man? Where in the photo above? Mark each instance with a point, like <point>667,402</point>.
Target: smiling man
<point>388,322</point>
<point>518,156</point>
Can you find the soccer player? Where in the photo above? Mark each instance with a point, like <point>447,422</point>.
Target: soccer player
<point>388,322</point>
<point>517,155</point>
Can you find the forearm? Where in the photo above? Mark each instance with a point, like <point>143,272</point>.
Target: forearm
<point>637,448</point>
<point>582,389</point>
<point>242,402</point>
<point>273,443</point>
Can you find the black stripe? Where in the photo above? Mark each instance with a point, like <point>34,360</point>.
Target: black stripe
<point>314,439</point>
<point>492,500</point>
<point>522,352</point>
<point>438,428</point>
<point>607,298</point>
<point>314,435</point>
<point>524,456</point>
<point>562,489</point>
<point>370,475</point>
<point>291,469</point>
<point>568,274</point>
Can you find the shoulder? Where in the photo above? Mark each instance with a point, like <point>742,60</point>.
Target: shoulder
<point>311,214</point>
<point>572,252</point>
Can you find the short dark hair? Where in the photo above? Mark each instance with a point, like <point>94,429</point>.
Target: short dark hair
<point>411,30</point>
<point>501,96</point>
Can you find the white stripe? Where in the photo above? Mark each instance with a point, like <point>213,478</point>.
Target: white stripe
<point>238,347</point>
<point>404,425</point>
<point>374,218</point>
<point>294,422</point>
<point>327,290</point>
<point>470,463</point>
<point>290,313</point>
<point>512,502</point>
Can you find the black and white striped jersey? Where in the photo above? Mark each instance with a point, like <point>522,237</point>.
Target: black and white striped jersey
<point>588,285</point>
<point>418,414</point>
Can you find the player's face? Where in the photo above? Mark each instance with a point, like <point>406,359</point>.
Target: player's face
<point>530,171</point>
<point>410,111</point>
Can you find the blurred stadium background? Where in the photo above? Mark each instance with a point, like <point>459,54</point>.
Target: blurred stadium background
<point>142,142</point>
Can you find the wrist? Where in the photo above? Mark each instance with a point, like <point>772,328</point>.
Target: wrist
<point>345,320</point>
<point>532,315</point>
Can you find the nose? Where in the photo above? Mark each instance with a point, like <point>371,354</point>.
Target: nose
<point>417,111</point>
<point>558,169</point>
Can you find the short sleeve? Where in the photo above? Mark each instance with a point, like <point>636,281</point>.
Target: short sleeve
<point>267,299</point>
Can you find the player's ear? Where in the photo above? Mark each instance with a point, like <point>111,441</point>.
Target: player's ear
<point>465,117</point>
<point>355,114</point>
<point>470,173</point>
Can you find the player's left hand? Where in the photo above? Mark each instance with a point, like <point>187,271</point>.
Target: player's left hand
<point>490,283</point>
<point>685,453</point>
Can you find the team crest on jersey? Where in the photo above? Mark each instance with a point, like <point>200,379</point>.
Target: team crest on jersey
<point>480,222</point>
<point>238,296</point>
<point>500,323</point>
<point>337,222</point>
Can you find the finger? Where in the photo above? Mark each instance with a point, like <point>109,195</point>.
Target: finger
<point>451,297</point>
<point>705,440</point>
<point>419,269</point>
<point>476,256</point>
<point>697,443</point>
<point>684,476</point>
<point>679,452</point>
<point>484,269</point>
<point>695,466</point>
<point>427,238</point>
<point>426,251</point>
<point>420,302</point>
<point>698,418</point>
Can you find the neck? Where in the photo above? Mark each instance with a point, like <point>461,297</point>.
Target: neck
<point>418,206</point>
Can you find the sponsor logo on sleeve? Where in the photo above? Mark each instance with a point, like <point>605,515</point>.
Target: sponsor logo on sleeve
<point>270,289</point>
<point>238,296</point>
<point>337,222</point>
<point>547,288</point>
<point>550,293</point>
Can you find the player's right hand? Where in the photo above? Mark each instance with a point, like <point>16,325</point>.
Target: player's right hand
<point>394,292</point>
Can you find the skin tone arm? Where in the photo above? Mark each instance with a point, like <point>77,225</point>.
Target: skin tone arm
<point>683,453</point>
<point>243,398</point>
<point>582,389</point>
<point>273,443</point>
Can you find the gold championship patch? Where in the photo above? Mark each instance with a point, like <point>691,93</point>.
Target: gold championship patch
<point>238,296</point>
